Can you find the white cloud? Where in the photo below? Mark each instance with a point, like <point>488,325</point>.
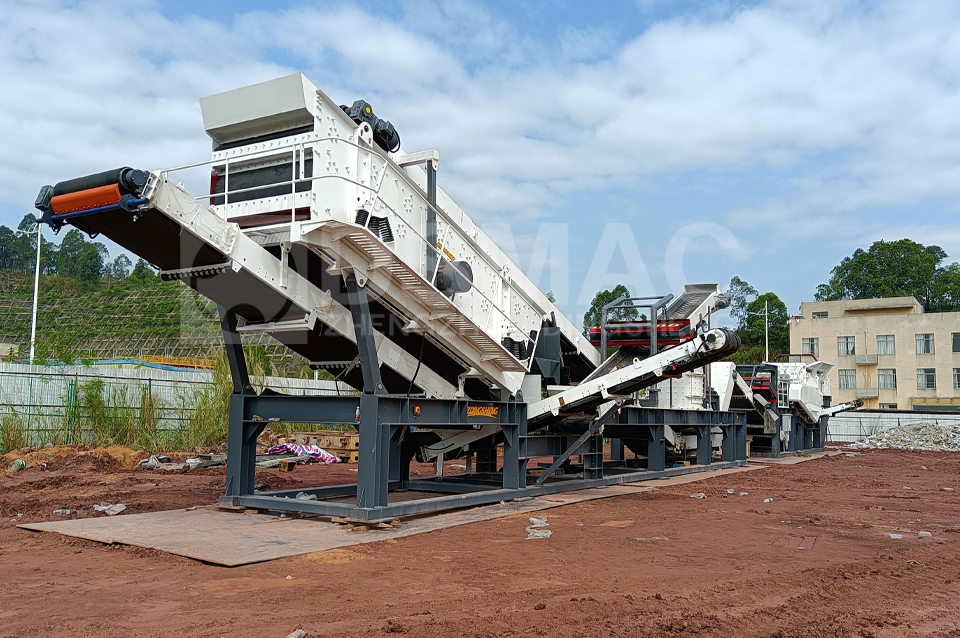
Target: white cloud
<point>853,103</point>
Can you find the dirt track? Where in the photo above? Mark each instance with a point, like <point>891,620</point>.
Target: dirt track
<point>817,561</point>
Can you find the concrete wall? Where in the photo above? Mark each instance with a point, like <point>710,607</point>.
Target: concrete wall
<point>864,320</point>
<point>40,395</point>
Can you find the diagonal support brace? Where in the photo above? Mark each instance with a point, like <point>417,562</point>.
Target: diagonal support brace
<point>591,431</point>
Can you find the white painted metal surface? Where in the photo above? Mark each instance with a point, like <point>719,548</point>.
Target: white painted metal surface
<point>243,252</point>
<point>347,172</point>
<point>600,386</point>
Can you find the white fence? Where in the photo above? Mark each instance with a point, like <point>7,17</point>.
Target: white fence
<point>43,397</point>
<point>858,425</point>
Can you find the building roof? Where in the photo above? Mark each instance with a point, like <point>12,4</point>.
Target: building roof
<point>891,305</point>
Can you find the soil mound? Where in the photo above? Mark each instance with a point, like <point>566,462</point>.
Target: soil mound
<point>77,457</point>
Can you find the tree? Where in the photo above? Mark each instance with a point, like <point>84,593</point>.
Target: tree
<point>945,290</point>
<point>741,294</point>
<point>142,272</point>
<point>592,317</point>
<point>81,259</point>
<point>752,333</point>
<point>119,268</point>
<point>896,269</point>
<point>18,250</point>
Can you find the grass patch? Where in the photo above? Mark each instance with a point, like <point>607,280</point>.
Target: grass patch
<point>13,433</point>
<point>209,408</point>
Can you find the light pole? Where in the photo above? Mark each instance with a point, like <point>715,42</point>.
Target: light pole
<point>36,290</point>
<point>766,329</point>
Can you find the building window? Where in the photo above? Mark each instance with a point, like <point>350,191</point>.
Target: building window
<point>888,406</point>
<point>956,341</point>
<point>925,343</point>
<point>811,345</point>
<point>885,344</point>
<point>926,378</point>
<point>845,346</point>
<point>848,379</point>
<point>956,378</point>
<point>887,379</point>
<point>820,315</point>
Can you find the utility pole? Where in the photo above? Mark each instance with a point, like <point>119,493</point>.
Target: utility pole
<point>766,330</point>
<point>36,291</point>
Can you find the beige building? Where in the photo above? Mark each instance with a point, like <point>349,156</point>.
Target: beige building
<point>888,352</point>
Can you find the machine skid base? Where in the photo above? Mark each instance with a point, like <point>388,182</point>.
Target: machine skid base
<point>473,495</point>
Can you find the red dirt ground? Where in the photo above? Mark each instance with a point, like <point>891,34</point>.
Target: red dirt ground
<point>817,561</point>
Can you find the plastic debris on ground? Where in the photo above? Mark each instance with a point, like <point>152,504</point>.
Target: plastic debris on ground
<point>154,461</point>
<point>896,537</point>
<point>925,534</point>
<point>698,495</point>
<point>768,500</point>
<point>535,529</point>
<point>303,496</point>
<point>17,465</point>
<point>744,494</point>
<point>924,436</point>
<point>110,510</point>
<point>313,453</point>
<point>63,512</point>
<point>299,633</point>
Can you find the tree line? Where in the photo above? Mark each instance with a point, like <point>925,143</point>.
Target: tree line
<point>86,261</point>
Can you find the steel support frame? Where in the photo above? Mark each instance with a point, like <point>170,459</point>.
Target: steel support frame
<point>382,423</point>
<point>647,424</point>
<point>381,420</point>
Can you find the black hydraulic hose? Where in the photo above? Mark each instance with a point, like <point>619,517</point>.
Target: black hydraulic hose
<point>423,341</point>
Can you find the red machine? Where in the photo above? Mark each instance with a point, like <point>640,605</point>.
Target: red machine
<point>670,332</point>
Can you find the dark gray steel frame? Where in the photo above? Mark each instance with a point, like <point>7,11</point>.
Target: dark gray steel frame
<point>384,420</point>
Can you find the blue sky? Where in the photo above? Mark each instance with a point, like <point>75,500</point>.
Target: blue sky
<point>766,140</point>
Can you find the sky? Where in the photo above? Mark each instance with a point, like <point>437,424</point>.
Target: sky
<point>651,143</point>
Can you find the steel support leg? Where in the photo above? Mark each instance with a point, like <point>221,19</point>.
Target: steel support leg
<point>734,445</point>
<point>242,434</point>
<point>704,446</point>
<point>366,344</point>
<point>373,471</point>
<point>513,421</point>
<point>656,448</point>
<point>512,477</point>
<point>593,458</point>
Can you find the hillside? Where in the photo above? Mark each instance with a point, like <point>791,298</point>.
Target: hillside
<point>113,319</point>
